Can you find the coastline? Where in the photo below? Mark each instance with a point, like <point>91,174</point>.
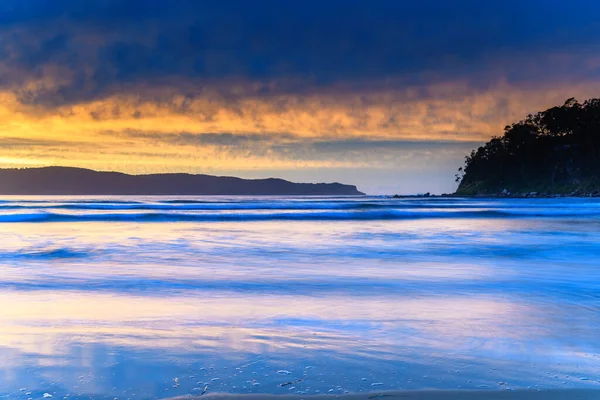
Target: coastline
<point>519,394</point>
<point>589,188</point>
<point>531,195</point>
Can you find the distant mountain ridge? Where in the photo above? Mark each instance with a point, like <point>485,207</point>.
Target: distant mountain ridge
<point>81,181</point>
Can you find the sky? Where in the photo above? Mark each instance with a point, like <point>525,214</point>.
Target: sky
<point>389,95</point>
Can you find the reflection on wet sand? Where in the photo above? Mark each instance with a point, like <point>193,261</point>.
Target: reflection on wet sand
<point>431,341</point>
<point>557,394</point>
<point>134,310</point>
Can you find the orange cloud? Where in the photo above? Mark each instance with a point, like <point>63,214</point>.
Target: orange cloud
<point>95,133</point>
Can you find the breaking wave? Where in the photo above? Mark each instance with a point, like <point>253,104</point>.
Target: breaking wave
<point>388,214</point>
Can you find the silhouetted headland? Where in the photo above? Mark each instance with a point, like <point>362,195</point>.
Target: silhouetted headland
<point>552,153</point>
<point>80,181</point>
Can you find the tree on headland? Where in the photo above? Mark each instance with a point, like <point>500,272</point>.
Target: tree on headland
<point>555,151</point>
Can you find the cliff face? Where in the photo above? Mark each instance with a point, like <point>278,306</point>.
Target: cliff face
<point>79,181</point>
<point>556,151</point>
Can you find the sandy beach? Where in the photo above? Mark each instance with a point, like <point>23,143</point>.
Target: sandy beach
<point>567,394</point>
<point>150,297</point>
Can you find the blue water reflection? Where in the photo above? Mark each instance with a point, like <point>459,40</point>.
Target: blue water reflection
<point>387,294</point>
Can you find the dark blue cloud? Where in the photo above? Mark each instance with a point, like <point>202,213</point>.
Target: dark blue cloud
<point>107,45</point>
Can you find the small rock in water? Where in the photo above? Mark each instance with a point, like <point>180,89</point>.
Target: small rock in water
<point>290,383</point>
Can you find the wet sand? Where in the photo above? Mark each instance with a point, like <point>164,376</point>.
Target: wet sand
<point>551,394</point>
<point>154,297</point>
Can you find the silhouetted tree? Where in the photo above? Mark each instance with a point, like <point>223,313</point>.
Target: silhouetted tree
<point>554,150</point>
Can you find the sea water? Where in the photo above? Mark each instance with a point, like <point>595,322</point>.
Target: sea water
<point>155,297</point>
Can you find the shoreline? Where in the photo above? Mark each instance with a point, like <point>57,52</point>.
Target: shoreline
<point>532,195</point>
<point>520,394</point>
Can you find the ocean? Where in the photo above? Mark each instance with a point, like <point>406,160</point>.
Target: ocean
<point>157,297</point>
